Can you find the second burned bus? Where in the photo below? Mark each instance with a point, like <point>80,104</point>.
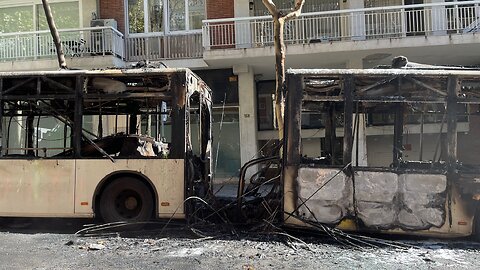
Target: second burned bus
<point>396,152</point>
<point>400,151</point>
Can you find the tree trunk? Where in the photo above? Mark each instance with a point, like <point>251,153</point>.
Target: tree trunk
<point>279,20</point>
<point>56,37</point>
<point>279,25</point>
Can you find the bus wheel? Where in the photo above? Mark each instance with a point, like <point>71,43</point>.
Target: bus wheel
<point>126,199</point>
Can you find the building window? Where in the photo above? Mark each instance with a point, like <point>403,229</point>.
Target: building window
<point>165,15</point>
<point>155,9</point>
<point>32,17</point>
<point>136,16</point>
<point>16,19</point>
<point>177,15</point>
<point>65,14</point>
<point>196,13</point>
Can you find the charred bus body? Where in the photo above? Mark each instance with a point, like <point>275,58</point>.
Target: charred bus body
<point>431,192</point>
<point>126,145</point>
<point>135,144</point>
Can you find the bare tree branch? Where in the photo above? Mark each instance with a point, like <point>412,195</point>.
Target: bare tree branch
<point>297,10</point>
<point>272,8</point>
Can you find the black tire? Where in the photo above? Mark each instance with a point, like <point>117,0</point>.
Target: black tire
<point>126,199</point>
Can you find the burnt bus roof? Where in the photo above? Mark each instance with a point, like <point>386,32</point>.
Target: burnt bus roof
<point>428,72</point>
<point>162,74</point>
<point>115,90</point>
<point>104,84</point>
<point>98,72</point>
<point>387,85</point>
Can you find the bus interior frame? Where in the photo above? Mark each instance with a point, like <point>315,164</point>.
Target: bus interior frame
<point>416,196</point>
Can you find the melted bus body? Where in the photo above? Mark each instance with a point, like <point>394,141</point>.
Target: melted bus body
<point>127,145</point>
<point>416,172</point>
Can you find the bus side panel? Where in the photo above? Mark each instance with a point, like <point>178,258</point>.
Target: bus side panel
<point>37,188</point>
<point>167,176</point>
<point>331,203</point>
<point>411,203</point>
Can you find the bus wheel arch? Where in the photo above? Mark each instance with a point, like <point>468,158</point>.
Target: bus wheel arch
<point>135,191</point>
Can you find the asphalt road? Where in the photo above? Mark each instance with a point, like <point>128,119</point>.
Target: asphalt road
<point>52,244</point>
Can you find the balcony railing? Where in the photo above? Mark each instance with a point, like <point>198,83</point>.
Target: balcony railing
<point>160,47</point>
<point>75,43</point>
<point>351,24</point>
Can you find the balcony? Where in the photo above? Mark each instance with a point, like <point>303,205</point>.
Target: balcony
<point>98,41</point>
<point>435,19</point>
<point>38,45</point>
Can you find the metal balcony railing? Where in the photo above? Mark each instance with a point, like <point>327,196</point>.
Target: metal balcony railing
<point>75,43</point>
<point>343,25</point>
<point>160,47</point>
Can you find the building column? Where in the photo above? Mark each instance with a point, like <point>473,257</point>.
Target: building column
<point>241,8</point>
<point>439,19</point>
<point>356,27</point>
<point>247,112</point>
<point>359,126</point>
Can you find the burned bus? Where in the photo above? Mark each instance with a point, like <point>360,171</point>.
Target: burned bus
<point>125,145</point>
<point>398,153</point>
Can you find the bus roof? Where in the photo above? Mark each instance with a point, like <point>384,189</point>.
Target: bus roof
<point>98,72</point>
<point>464,72</point>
